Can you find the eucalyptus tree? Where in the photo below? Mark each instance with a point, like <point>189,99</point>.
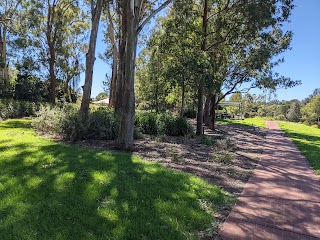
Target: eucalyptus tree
<point>134,15</point>
<point>175,60</point>
<point>46,28</point>
<point>111,38</point>
<point>8,10</point>
<point>96,10</point>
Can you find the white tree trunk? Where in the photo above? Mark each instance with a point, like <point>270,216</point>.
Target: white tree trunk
<point>90,57</point>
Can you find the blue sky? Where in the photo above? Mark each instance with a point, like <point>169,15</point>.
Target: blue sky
<point>301,62</point>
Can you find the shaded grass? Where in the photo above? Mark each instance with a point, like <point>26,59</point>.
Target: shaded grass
<point>307,140</point>
<point>50,190</point>
<point>247,121</point>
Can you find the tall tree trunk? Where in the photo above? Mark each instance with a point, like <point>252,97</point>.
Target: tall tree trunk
<point>53,79</point>
<point>125,139</point>
<point>115,53</point>
<point>4,70</point>
<point>213,106</point>
<point>207,111</point>
<point>202,83</point>
<point>133,11</point>
<point>113,83</point>
<point>183,98</point>
<point>90,57</point>
<point>122,55</point>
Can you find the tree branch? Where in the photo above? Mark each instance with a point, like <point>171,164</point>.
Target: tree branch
<point>152,15</point>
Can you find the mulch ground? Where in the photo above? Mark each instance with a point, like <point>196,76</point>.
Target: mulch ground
<point>225,157</point>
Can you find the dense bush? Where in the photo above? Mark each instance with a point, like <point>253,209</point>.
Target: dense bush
<point>190,113</point>
<point>48,119</point>
<point>162,123</point>
<point>147,122</point>
<point>66,121</point>
<point>16,109</point>
<point>102,124</point>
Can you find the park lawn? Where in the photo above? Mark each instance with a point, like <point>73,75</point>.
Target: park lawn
<point>307,140</point>
<point>50,190</point>
<point>247,121</point>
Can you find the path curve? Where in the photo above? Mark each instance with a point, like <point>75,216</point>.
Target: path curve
<point>282,198</point>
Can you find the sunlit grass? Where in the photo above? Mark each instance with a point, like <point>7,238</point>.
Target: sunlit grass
<point>247,121</point>
<point>50,190</point>
<point>307,140</point>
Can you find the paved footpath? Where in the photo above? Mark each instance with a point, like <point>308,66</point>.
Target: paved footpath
<point>282,198</point>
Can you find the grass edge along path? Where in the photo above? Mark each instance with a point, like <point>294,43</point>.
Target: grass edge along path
<point>307,139</point>
<point>50,190</point>
<point>259,122</point>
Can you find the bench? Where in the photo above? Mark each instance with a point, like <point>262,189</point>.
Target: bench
<point>255,127</point>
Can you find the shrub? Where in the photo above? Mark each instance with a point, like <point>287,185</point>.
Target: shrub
<point>66,121</point>
<point>190,113</point>
<point>102,124</point>
<point>162,123</point>
<point>174,126</point>
<point>10,108</point>
<point>47,119</point>
<point>147,122</point>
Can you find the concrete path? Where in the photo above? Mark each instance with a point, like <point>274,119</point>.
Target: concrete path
<point>282,198</point>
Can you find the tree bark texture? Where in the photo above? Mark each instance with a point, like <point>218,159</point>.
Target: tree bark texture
<point>115,53</point>
<point>183,98</point>
<point>202,82</point>
<point>3,53</point>
<point>53,79</point>
<point>213,112</point>
<point>132,13</point>
<point>125,139</point>
<point>90,57</point>
<point>121,68</point>
<point>207,111</point>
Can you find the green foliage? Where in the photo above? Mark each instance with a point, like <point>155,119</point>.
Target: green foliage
<point>147,122</point>
<point>311,111</point>
<point>174,126</point>
<point>51,190</point>
<point>30,88</point>
<point>102,124</point>
<point>66,121</point>
<point>203,139</point>
<point>48,119</point>
<point>293,114</point>
<point>10,108</point>
<point>162,123</point>
<point>101,96</point>
<point>190,113</point>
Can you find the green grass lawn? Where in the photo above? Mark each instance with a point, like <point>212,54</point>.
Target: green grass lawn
<point>50,190</point>
<point>307,140</point>
<point>247,121</point>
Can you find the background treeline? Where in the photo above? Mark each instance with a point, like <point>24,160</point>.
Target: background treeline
<point>306,111</point>
<point>196,54</point>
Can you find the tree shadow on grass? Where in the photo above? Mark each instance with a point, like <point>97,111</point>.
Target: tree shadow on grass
<point>309,145</point>
<point>15,123</point>
<point>58,191</point>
